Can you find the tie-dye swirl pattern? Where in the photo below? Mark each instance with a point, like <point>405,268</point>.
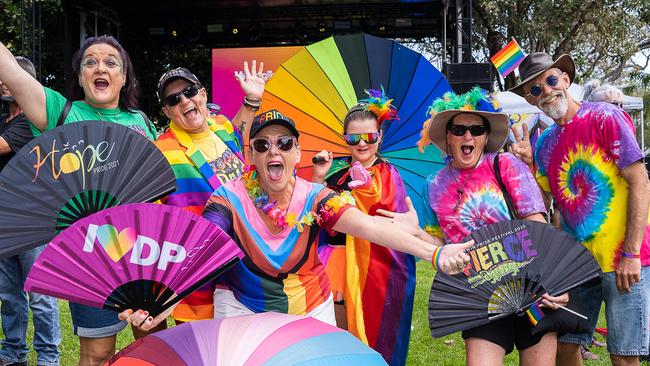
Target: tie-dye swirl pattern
<point>481,201</point>
<point>580,163</point>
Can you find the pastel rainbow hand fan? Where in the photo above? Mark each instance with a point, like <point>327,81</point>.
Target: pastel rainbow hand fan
<point>512,264</point>
<point>135,256</point>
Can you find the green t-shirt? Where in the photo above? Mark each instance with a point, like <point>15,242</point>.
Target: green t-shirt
<point>81,111</point>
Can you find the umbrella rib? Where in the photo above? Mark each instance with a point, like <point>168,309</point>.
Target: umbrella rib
<point>411,115</point>
<point>312,93</point>
<point>328,77</point>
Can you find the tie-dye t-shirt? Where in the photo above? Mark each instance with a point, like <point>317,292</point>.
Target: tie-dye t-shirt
<point>580,163</point>
<point>463,200</point>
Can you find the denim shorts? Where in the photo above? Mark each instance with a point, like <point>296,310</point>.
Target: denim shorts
<point>92,322</point>
<point>627,315</point>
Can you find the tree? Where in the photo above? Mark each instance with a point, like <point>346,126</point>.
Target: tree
<point>602,36</point>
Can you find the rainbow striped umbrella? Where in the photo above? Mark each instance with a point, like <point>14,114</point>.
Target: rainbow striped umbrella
<point>259,339</point>
<point>320,83</point>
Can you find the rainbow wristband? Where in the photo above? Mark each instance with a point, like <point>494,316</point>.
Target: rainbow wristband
<point>632,255</point>
<point>436,257</point>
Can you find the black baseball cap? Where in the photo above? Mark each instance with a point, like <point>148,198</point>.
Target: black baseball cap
<point>272,117</point>
<point>171,75</point>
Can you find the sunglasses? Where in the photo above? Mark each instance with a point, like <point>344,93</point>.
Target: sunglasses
<point>536,90</point>
<point>355,138</point>
<point>189,92</point>
<point>262,145</point>
<point>460,130</point>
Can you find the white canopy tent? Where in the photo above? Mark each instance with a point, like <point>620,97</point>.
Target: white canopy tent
<point>512,103</point>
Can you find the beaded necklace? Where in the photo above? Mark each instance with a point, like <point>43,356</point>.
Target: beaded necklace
<point>281,218</point>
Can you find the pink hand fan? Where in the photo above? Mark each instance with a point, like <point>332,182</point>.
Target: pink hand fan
<point>135,256</point>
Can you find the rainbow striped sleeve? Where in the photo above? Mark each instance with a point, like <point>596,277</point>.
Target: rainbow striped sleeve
<point>508,58</point>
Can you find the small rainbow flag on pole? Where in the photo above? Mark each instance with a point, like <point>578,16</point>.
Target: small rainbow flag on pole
<point>508,58</point>
<point>535,313</point>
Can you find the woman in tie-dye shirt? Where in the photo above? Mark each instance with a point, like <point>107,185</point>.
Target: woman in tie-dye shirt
<point>465,195</point>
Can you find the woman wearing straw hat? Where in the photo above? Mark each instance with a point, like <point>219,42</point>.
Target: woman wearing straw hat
<point>465,195</point>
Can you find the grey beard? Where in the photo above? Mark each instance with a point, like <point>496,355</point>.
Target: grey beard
<point>558,110</point>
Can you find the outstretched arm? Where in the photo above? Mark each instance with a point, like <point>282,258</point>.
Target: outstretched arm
<point>28,92</point>
<point>452,258</point>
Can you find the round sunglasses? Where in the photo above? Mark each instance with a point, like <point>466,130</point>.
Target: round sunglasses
<point>262,144</point>
<point>355,138</point>
<point>460,130</point>
<point>536,90</point>
<point>189,92</point>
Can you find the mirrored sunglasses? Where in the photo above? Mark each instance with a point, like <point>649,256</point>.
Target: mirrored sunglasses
<point>355,138</point>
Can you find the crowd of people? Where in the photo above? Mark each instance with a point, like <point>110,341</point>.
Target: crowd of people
<point>342,247</point>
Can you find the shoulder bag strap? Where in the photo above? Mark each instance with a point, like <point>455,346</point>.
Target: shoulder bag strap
<point>497,173</point>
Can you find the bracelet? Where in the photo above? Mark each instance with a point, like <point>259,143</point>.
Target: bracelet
<point>253,101</point>
<point>435,257</point>
<point>632,255</point>
<point>252,105</point>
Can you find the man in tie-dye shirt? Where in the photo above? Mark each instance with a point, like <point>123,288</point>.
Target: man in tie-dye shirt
<point>591,164</point>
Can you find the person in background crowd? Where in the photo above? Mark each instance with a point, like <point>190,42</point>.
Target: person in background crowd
<point>15,132</point>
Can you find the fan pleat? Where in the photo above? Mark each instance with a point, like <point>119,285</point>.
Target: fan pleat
<point>559,265</point>
<point>65,271</point>
<point>33,209</point>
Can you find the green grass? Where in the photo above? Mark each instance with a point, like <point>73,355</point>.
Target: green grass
<point>424,350</point>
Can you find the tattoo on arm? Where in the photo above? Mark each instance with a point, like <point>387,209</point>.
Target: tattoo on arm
<point>242,125</point>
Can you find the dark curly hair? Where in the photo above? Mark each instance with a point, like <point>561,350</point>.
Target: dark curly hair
<point>130,92</point>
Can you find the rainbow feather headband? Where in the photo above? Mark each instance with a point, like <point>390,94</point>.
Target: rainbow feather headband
<point>378,104</point>
<point>476,99</point>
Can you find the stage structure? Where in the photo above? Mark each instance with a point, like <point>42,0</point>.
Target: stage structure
<point>150,28</point>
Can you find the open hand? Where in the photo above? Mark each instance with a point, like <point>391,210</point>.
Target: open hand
<point>252,80</point>
<point>407,221</point>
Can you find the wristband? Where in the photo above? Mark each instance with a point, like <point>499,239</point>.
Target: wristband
<point>632,255</point>
<point>435,257</point>
<point>254,106</point>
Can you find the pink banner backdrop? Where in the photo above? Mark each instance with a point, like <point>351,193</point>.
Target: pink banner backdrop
<point>225,61</point>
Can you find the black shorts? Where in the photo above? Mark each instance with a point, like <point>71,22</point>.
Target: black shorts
<point>507,332</point>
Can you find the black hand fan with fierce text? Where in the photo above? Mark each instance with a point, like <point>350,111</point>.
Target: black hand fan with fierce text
<point>512,264</point>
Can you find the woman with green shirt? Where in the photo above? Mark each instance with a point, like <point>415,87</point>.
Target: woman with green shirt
<point>105,89</point>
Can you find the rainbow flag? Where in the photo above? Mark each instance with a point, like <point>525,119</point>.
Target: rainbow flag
<point>535,313</point>
<point>508,58</point>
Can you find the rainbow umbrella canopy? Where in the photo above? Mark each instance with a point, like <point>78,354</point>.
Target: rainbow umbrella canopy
<point>260,339</point>
<point>319,84</point>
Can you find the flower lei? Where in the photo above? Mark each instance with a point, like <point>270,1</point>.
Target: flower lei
<point>283,218</point>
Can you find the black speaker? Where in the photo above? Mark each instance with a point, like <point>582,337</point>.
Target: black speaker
<point>464,76</point>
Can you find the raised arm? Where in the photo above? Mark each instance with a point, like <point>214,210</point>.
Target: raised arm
<point>28,92</point>
<point>252,81</point>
